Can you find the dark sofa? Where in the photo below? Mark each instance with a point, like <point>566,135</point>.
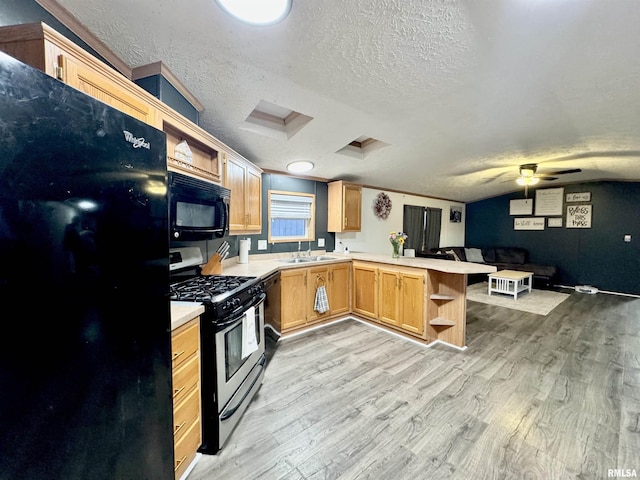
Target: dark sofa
<point>504,258</point>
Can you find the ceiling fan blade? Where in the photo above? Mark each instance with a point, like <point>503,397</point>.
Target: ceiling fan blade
<point>564,172</point>
<point>547,178</point>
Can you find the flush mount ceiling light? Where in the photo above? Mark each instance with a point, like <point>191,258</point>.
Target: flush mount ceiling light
<point>299,167</point>
<point>257,12</point>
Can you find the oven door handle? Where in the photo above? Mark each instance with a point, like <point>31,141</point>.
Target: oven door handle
<point>237,313</point>
<point>229,413</point>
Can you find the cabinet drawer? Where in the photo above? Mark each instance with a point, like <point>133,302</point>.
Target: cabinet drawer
<point>184,342</point>
<point>185,377</point>
<point>186,411</point>
<point>186,447</point>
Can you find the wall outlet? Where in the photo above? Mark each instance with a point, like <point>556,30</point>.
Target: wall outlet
<point>321,242</point>
<point>627,238</point>
<point>262,244</point>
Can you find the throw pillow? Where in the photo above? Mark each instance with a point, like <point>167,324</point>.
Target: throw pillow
<point>455,255</point>
<point>474,255</point>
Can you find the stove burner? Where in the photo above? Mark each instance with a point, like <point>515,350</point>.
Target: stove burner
<point>209,288</point>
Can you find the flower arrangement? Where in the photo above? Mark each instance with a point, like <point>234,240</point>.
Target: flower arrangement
<point>397,239</point>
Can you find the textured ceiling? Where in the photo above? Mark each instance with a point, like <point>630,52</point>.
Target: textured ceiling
<point>462,92</point>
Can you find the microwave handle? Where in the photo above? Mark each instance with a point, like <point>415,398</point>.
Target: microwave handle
<point>225,218</point>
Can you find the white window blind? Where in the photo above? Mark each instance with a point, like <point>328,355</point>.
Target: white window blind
<point>290,206</point>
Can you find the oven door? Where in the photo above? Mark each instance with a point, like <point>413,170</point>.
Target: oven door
<point>235,357</point>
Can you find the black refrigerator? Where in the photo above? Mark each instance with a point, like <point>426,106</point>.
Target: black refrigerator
<point>85,362</point>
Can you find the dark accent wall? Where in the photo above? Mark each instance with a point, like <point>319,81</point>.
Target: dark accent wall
<point>292,184</point>
<point>595,256</point>
<point>161,88</point>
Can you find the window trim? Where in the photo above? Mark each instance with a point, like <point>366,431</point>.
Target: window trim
<point>311,233</point>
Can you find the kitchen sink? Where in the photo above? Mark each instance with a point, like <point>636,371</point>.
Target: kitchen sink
<point>318,258</point>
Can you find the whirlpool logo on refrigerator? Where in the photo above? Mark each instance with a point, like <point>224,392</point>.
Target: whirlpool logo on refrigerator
<point>136,142</point>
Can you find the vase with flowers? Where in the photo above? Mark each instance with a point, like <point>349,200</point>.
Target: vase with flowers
<point>397,239</point>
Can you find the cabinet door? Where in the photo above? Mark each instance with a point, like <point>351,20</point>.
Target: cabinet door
<point>235,181</point>
<point>85,79</point>
<point>293,285</point>
<point>365,295</point>
<point>412,300</point>
<point>254,200</point>
<point>389,297</point>
<point>352,195</point>
<point>339,292</point>
<point>318,276</point>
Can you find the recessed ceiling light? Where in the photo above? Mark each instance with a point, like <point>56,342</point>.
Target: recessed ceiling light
<point>257,12</point>
<point>298,167</point>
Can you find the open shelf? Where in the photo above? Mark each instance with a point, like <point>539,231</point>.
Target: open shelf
<point>440,296</point>
<point>441,321</point>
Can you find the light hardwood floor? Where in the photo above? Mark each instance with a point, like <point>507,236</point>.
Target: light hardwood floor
<point>537,397</point>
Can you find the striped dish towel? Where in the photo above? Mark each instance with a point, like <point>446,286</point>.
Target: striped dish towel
<point>321,304</point>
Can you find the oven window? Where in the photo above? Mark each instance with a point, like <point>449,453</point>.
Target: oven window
<point>195,215</point>
<point>233,347</point>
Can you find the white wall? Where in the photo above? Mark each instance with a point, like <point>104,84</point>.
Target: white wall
<point>374,237</point>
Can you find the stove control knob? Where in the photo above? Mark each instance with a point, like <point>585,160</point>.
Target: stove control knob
<point>227,305</point>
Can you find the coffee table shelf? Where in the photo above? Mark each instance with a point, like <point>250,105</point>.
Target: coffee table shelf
<point>510,282</point>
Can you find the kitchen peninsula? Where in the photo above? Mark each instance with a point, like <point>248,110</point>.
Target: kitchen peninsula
<point>421,298</point>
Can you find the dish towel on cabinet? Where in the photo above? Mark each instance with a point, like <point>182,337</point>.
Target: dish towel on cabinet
<point>321,304</point>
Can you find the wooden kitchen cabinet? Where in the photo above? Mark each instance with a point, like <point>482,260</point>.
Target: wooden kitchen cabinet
<point>393,296</point>
<point>40,46</point>
<point>344,207</point>
<point>245,182</point>
<point>185,362</point>
<point>365,289</point>
<point>293,295</point>
<point>298,288</point>
<point>401,299</point>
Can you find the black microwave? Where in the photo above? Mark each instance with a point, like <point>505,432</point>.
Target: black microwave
<point>198,210</point>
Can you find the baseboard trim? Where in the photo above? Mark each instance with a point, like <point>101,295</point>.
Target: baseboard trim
<point>369,324</point>
<point>601,291</point>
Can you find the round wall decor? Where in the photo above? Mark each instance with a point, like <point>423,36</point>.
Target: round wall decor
<point>382,206</point>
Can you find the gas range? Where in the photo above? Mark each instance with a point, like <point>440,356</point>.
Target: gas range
<point>220,294</point>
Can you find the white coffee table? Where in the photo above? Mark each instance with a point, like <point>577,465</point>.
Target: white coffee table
<point>510,282</point>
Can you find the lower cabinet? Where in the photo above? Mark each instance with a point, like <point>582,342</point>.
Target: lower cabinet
<point>393,296</point>
<point>401,299</point>
<point>303,283</point>
<point>187,437</point>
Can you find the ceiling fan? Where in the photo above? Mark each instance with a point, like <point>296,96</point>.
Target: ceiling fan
<point>528,175</point>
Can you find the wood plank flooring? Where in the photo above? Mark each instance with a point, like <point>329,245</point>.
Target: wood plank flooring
<point>536,397</point>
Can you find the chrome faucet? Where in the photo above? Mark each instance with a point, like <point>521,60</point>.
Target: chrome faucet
<point>309,249</point>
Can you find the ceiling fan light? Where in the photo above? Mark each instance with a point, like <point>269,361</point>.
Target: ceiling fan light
<point>257,12</point>
<point>527,181</point>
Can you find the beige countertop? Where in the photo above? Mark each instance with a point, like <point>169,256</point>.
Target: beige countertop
<point>182,312</point>
<point>263,265</point>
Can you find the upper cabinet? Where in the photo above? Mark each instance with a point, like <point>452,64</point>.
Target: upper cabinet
<point>42,47</point>
<point>344,207</point>
<point>245,182</point>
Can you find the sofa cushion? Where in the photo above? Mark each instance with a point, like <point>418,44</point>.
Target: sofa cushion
<point>454,254</point>
<point>511,255</point>
<point>489,255</point>
<point>473,255</point>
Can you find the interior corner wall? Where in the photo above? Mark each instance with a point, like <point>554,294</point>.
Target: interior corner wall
<point>596,256</point>
<point>374,235</point>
